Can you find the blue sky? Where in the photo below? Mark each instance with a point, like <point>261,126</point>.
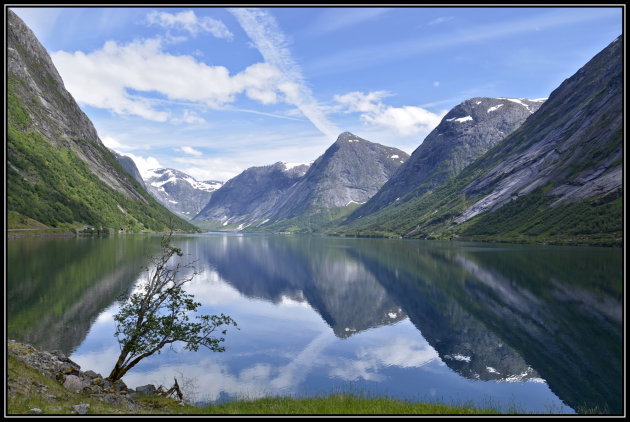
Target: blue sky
<point>212,91</point>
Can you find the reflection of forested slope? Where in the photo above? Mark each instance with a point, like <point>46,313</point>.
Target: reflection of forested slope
<point>560,308</point>
<point>337,286</point>
<point>52,301</point>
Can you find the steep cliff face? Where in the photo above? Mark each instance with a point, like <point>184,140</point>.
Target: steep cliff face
<point>129,166</point>
<point>468,131</point>
<point>58,170</point>
<point>558,178</point>
<point>180,192</point>
<point>573,145</point>
<point>54,114</point>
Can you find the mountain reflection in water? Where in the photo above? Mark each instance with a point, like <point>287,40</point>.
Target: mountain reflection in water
<point>492,313</point>
<point>504,313</point>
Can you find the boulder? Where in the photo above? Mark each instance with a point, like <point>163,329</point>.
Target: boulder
<point>75,383</point>
<point>146,390</point>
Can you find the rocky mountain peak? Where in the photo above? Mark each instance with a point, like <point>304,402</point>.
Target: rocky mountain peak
<point>465,133</point>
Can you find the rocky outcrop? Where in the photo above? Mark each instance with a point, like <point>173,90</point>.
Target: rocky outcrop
<point>57,366</point>
<point>467,132</point>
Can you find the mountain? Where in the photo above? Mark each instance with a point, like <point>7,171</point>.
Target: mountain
<point>351,170</point>
<point>251,196</point>
<point>467,132</point>
<point>276,198</point>
<point>180,192</point>
<point>58,170</point>
<point>129,166</point>
<point>558,178</point>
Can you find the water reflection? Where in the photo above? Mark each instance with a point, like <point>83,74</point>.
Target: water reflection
<point>56,288</point>
<point>426,319</point>
<point>492,313</point>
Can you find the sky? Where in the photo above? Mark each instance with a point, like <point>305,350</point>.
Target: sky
<point>213,91</point>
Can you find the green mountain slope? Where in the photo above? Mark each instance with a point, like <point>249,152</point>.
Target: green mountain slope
<point>58,171</point>
<point>556,179</point>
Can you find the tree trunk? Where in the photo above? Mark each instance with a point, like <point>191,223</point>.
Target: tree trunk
<point>118,371</point>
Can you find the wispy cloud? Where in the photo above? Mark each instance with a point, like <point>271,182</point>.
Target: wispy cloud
<point>190,151</point>
<point>189,22</point>
<point>270,41</point>
<point>390,51</point>
<point>330,20</point>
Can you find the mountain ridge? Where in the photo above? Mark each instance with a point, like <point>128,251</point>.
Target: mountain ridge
<point>279,198</point>
<point>520,190</point>
<point>58,170</point>
<point>465,133</point>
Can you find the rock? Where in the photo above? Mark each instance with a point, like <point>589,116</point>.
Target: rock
<point>59,355</point>
<point>35,410</point>
<point>74,383</point>
<point>120,386</point>
<point>81,408</point>
<point>148,389</point>
<point>92,374</point>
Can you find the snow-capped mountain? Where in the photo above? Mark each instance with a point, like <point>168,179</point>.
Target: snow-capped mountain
<point>180,192</point>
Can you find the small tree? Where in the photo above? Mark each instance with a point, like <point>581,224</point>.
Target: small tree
<point>159,314</point>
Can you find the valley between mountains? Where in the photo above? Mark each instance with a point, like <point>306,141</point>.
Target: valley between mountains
<point>494,169</point>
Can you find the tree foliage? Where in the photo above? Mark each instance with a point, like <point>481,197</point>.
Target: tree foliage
<point>160,311</point>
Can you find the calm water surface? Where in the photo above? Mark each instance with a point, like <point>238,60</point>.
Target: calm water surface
<point>526,328</point>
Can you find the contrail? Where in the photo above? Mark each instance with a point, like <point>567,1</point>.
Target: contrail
<point>264,32</point>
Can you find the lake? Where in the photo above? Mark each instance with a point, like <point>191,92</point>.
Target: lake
<point>519,327</point>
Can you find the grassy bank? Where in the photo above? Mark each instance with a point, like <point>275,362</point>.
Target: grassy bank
<point>29,389</point>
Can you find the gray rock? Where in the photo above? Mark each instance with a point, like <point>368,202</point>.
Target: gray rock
<point>60,355</point>
<point>148,389</point>
<point>81,408</point>
<point>35,410</point>
<point>120,386</point>
<point>75,383</point>
<point>92,374</point>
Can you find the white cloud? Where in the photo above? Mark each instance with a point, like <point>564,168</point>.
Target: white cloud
<point>405,120</point>
<point>436,84</point>
<point>112,143</point>
<point>144,164</point>
<point>189,22</point>
<point>264,32</point>
<point>117,76</point>
<point>190,150</point>
<point>188,117</point>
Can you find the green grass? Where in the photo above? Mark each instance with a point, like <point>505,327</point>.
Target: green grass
<point>338,404</point>
<point>25,386</point>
